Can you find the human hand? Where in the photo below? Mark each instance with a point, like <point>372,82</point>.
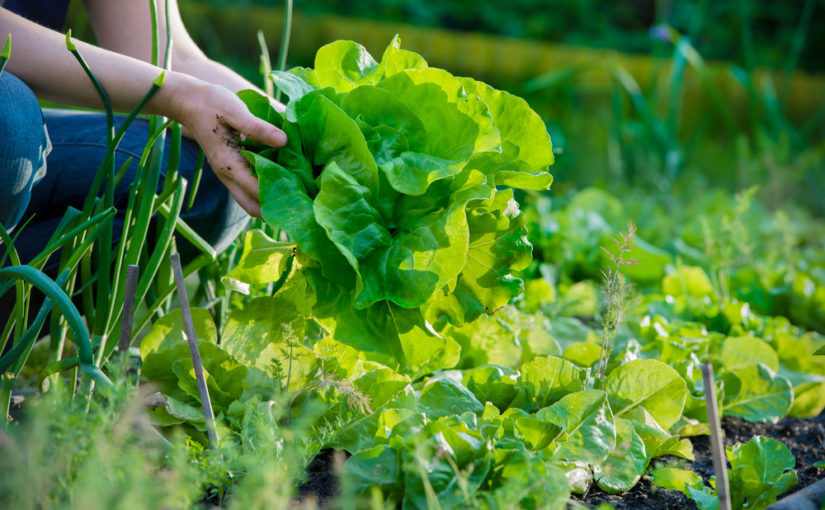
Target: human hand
<point>217,119</point>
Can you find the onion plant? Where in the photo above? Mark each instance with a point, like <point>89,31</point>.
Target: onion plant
<point>88,233</point>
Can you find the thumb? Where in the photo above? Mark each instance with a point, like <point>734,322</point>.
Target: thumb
<point>258,130</point>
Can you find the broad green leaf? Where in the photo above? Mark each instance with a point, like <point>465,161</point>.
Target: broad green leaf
<point>568,331</point>
<point>382,328</point>
<point>286,204</point>
<point>377,467</point>
<point>263,259</point>
<point>739,352</point>
<point>497,246</point>
<point>396,425</point>
<point>799,363</point>
<point>760,470</point>
<point>267,335</point>
<point>343,64</point>
<point>417,262</point>
<point>260,106</point>
<point>291,84</point>
<point>328,135</point>
<point>626,464</point>
<point>587,431</point>
<point>176,412</point>
<point>646,386</point>
<point>688,281</point>
<point>765,459</point>
<point>429,472</point>
<point>687,482</point>
<point>757,394</point>
<point>580,299</point>
<point>492,383</point>
<point>224,376</point>
<point>166,343</point>
<point>486,340</point>
<point>658,442</point>
<point>704,498</point>
<point>527,482</point>
<point>584,354</point>
<point>345,209</point>
<point>676,479</point>
<point>457,125</point>
<point>412,173</point>
<point>396,59</point>
<point>356,435</point>
<point>537,293</point>
<point>518,124</point>
<point>377,107</point>
<point>545,380</point>
<point>445,397</point>
<point>536,433</point>
<point>381,386</point>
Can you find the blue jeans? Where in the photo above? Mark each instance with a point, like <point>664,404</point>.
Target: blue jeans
<point>48,160</point>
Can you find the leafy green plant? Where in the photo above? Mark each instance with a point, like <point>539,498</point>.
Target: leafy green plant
<point>87,233</point>
<point>761,469</point>
<point>392,189</point>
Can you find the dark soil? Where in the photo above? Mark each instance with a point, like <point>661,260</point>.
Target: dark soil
<point>804,437</point>
<point>321,483</point>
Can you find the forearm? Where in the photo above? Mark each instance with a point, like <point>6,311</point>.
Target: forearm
<point>210,111</point>
<point>209,70</point>
<point>39,57</point>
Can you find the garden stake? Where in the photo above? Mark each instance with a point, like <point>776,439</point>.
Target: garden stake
<point>194,351</point>
<point>719,465</point>
<point>128,308</point>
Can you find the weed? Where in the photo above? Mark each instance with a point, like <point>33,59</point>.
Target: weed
<point>616,290</point>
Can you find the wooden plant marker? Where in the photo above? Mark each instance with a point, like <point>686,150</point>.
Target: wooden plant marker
<point>128,309</point>
<point>189,326</point>
<point>716,446</point>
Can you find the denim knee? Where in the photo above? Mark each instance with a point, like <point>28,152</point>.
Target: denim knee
<point>24,145</point>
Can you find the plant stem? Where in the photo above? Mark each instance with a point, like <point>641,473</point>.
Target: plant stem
<point>285,36</point>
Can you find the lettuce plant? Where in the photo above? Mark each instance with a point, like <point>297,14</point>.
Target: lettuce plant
<point>397,188</point>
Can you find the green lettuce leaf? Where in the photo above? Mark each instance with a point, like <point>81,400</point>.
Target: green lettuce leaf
<point>545,380</point>
<point>263,259</point>
<point>761,469</point>
<point>647,386</point>
<point>390,186</point>
<point>587,432</point>
<point>757,394</point>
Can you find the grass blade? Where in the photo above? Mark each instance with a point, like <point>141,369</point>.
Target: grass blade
<point>5,53</point>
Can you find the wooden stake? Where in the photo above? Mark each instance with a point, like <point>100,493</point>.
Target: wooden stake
<point>128,309</point>
<point>716,446</point>
<point>189,326</point>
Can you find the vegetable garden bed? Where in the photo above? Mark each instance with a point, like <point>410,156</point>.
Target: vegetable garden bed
<point>413,299</point>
